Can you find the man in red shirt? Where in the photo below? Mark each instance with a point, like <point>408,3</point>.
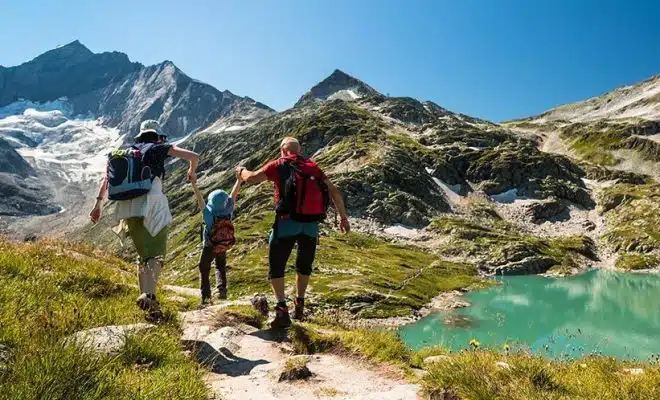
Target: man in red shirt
<point>288,231</point>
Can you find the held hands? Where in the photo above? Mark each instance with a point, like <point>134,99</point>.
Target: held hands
<point>239,177</point>
<point>95,214</point>
<point>192,176</point>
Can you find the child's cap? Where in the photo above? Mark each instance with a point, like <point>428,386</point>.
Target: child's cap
<point>220,204</point>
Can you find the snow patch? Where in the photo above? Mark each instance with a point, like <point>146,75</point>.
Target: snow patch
<point>48,138</point>
<point>21,106</point>
<point>402,231</point>
<point>506,197</point>
<point>345,94</point>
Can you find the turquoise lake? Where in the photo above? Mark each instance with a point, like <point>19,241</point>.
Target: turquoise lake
<point>600,311</point>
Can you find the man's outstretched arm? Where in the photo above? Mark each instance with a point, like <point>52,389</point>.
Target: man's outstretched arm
<point>248,176</point>
<point>344,225</point>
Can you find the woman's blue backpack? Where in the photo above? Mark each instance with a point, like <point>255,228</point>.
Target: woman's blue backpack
<point>128,175</point>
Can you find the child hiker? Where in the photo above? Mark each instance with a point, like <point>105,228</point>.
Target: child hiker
<point>217,237</point>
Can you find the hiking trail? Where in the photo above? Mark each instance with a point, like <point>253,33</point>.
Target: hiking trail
<point>246,363</point>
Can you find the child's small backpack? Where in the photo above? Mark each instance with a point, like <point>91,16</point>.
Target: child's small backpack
<point>222,235</point>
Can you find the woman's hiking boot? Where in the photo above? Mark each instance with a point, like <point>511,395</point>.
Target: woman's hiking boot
<point>299,310</point>
<point>222,293</point>
<point>282,319</point>
<point>148,303</point>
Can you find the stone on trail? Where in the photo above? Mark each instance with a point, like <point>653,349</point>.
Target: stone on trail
<point>106,339</point>
<point>295,368</point>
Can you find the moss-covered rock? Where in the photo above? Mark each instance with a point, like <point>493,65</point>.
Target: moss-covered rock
<point>633,217</point>
<point>633,261</point>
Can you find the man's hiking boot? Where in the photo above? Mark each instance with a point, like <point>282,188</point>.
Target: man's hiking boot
<point>222,293</point>
<point>282,319</point>
<point>299,310</point>
<point>206,301</point>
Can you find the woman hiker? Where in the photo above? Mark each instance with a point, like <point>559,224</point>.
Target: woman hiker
<point>147,216</point>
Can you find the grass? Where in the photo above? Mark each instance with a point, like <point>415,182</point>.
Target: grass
<point>475,375</point>
<point>594,143</point>
<point>49,290</point>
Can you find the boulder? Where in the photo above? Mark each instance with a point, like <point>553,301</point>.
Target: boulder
<point>295,369</point>
<point>106,339</point>
<point>547,210</point>
<point>527,266</point>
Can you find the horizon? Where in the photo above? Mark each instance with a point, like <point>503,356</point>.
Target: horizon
<point>509,91</point>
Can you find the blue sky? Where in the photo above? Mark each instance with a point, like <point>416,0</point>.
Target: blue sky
<point>491,59</point>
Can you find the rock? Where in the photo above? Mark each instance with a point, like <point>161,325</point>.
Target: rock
<point>215,350</point>
<point>550,209</point>
<point>177,299</point>
<point>4,357</point>
<point>106,339</point>
<point>31,237</point>
<point>459,321</point>
<point>502,365</point>
<point>193,334</point>
<point>589,226</point>
<point>633,371</point>
<point>295,368</point>
<point>443,394</point>
<point>437,359</point>
<point>260,303</point>
<point>420,373</point>
<point>527,266</point>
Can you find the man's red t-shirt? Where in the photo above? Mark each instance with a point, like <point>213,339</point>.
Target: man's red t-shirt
<point>307,166</point>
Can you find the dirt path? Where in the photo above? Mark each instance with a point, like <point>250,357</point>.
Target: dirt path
<point>245,363</point>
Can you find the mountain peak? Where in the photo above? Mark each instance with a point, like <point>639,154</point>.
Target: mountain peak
<point>70,49</point>
<point>339,85</point>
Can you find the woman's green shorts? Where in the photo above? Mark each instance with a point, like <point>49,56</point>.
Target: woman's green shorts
<point>147,246</point>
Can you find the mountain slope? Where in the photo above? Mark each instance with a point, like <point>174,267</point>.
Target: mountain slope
<point>619,129</point>
<point>641,100</point>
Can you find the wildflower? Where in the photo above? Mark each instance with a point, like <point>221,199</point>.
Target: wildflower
<point>475,343</point>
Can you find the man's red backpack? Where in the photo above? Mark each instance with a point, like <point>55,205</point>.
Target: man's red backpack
<point>222,235</point>
<point>303,193</point>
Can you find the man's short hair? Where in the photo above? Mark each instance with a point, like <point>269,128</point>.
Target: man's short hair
<point>290,143</point>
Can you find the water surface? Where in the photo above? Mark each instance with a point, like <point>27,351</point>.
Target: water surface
<point>600,311</point>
